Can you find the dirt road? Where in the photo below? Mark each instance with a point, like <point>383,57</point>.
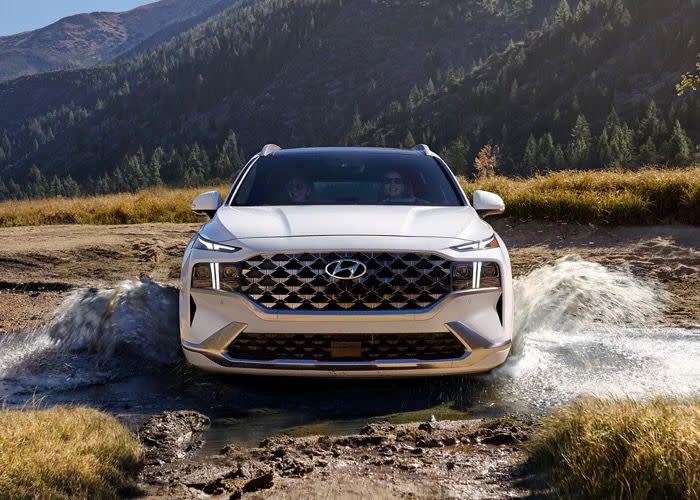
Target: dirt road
<point>39,265</point>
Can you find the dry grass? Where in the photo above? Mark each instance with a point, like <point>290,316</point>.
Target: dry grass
<point>65,453</point>
<point>649,196</point>
<point>622,449</point>
<point>150,205</point>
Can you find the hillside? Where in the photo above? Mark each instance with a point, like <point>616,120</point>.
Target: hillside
<point>315,72</point>
<point>89,39</point>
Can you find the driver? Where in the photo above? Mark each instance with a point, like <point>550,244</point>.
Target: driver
<point>396,188</point>
<point>298,189</point>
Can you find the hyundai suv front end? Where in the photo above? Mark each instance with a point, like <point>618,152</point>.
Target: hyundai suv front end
<point>353,262</point>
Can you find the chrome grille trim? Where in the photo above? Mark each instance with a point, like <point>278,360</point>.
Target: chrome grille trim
<point>393,282</point>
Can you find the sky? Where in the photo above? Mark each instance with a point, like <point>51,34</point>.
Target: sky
<point>25,15</point>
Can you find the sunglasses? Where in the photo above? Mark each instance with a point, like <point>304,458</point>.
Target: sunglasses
<point>393,180</point>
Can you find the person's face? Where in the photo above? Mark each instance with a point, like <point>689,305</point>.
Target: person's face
<point>393,184</point>
<point>298,190</point>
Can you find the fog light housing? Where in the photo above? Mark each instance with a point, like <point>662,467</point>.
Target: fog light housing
<point>203,276</point>
<point>229,277</point>
<point>490,276</point>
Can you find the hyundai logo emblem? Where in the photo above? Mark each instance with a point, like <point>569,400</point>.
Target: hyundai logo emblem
<point>346,269</point>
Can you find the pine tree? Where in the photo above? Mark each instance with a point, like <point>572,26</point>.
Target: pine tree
<point>154,166</point>
<point>579,149</point>
<point>621,145</point>
<point>545,153</point>
<point>530,156</point>
<point>6,144</point>
<point>37,186</point>
<point>605,155</point>
<point>4,192</point>
<point>430,87</point>
<point>562,15</point>
<point>71,189</point>
<point>103,185</point>
<point>679,147</point>
<point>55,187</point>
<point>647,152</point>
<point>414,97</point>
<point>455,155</point>
<point>14,190</point>
<point>409,141</point>
<point>558,158</point>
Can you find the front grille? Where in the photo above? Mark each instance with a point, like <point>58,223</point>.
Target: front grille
<point>394,281</point>
<point>351,347</point>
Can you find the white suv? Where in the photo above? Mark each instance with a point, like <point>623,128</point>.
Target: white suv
<point>353,262</point>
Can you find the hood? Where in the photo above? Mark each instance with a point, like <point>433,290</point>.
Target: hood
<point>240,223</point>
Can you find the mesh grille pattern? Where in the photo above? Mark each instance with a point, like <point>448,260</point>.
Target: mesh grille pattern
<point>319,347</point>
<point>392,282</point>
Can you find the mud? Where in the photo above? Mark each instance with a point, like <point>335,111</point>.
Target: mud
<point>433,459</point>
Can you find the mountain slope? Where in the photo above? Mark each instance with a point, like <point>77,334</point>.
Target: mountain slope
<point>315,72</point>
<point>292,71</point>
<point>90,39</point>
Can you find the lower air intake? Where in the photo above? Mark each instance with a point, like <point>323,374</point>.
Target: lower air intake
<point>346,347</point>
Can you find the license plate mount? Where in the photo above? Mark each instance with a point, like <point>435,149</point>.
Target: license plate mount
<point>346,349</point>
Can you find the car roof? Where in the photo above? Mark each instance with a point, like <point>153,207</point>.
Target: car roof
<point>345,151</point>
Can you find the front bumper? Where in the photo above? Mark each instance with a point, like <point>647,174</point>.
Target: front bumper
<point>473,317</point>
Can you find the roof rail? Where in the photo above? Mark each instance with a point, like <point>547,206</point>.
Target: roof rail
<point>421,147</point>
<point>268,149</point>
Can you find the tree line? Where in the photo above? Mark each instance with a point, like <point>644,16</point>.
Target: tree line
<point>184,166</point>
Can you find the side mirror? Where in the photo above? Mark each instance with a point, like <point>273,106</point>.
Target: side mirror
<point>487,204</point>
<point>207,203</point>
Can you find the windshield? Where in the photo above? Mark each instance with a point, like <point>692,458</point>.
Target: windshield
<point>346,178</point>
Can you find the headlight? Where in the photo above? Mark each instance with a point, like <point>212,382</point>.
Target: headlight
<point>203,276</point>
<point>490,275</point>
<point>205,244</point>
<point>217,276</point>
<point>474,275</point>
<point>229,277</point>
<point>463,276</point>
<point>491,242</point>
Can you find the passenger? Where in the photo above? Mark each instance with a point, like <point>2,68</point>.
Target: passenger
<point>397,189</point>
<point>298,190</point>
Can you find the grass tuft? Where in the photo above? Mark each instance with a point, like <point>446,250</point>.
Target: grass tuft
<point>648,196</point>
<point>65,452</point>
<point>621,449</point>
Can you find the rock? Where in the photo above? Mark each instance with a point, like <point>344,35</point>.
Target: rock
<point>423,442</point>
<point>172,435</point>
<point>500,439</point>
<point>377,428</point>
<point>426,426</point>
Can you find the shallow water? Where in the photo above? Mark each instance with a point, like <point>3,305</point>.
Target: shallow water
<point>580,329</point>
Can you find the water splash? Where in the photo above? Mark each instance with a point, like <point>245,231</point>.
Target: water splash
<point>135,319</point>
<point>572,295</point>
<point>584,329</point>
<point>96,335</point>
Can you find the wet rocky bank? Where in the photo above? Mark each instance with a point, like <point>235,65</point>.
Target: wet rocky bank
<point>448,459</point>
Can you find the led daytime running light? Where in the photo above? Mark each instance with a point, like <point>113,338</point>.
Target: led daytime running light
<point>204,244</point>
<point>491,242</point>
